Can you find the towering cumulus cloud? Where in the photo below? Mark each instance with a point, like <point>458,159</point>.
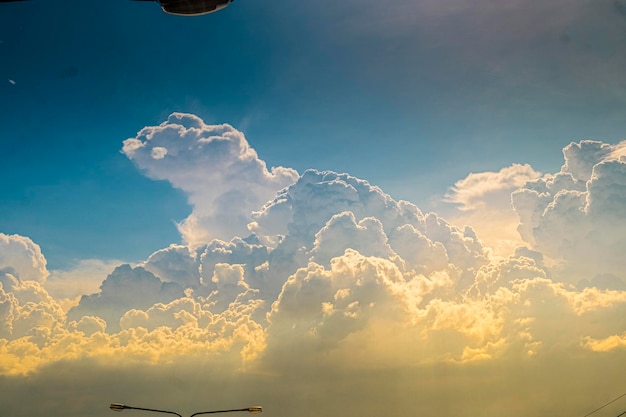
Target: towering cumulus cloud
<point>578,215</point>
<point>223,177</point>
<point>321,291</point>
<point>21,257</point>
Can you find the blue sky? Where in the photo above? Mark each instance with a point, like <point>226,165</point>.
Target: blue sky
<point>411,97</point>
<point>350,208</point>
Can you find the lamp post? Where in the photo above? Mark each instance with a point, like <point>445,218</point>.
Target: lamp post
<point>121,407</point>
<point>252,410</point>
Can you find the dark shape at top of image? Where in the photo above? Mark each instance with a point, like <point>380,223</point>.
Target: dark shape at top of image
<point>191,7</point>
<point>182,7</point>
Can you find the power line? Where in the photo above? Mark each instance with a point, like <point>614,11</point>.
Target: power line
<point>610,402</point>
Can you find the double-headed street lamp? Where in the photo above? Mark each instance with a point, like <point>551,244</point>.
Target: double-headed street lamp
<point>121,407</point>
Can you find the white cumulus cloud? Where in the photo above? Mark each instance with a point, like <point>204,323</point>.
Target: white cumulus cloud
<point>222,175</point>
<point>22,258</point>
<point>578,215</point>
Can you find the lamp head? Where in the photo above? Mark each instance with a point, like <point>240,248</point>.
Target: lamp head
<point>117,407</point>
<point>255,410</point>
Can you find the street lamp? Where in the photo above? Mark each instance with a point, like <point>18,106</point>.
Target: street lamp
<point>252,410</point>
<point>121,407</point>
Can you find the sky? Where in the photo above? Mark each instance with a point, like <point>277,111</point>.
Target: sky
<point>353,209</point>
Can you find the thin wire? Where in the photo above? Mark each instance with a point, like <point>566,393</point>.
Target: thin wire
<point>610,402</point>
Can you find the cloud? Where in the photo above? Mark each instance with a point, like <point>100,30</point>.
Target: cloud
<point>490,190</point>
<point>124,289</point>
<point>177,264</point>
<point>580,158</point>
<point>342,232</point>
<point>22,258</point>
<point>483,200</point>
<point>342,297</point>
<point>366,312</point>
<point>84,277</point>
<point>335,264</point>
<point>305,209</point>
<point>302,209</point>
<point>577,215</point>
<point>27,310</point>
<point>214,165</point>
